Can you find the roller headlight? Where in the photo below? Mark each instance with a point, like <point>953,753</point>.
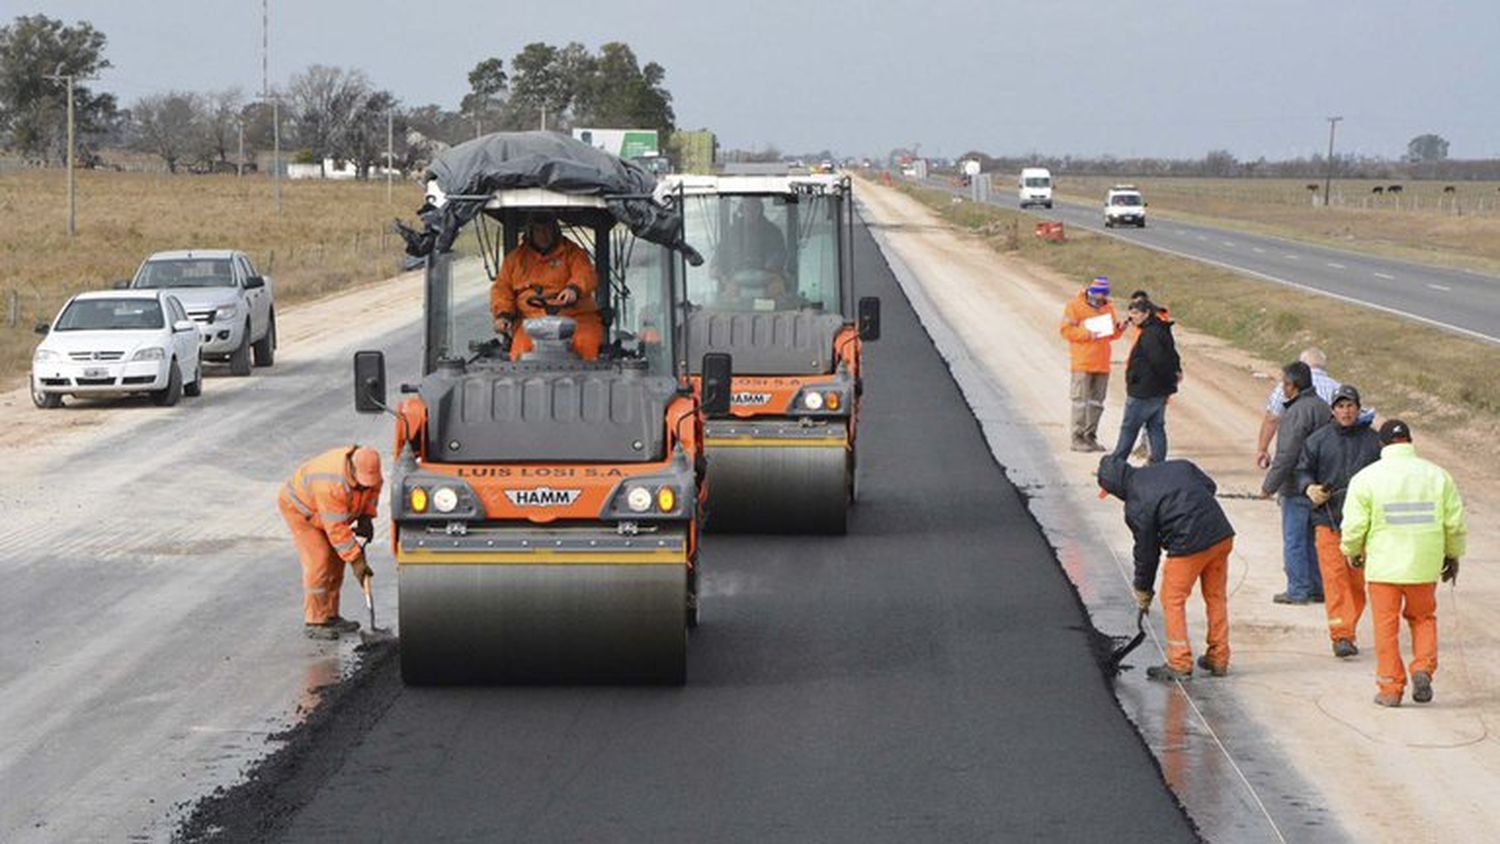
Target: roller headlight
<point>152,353</point>
<point>666,499</point>
<point>45,355</point>
<point>226,313</point>
<point>417,498</point>
<point>812,400</point>
<point>444,499</point>
<point>638,499</point>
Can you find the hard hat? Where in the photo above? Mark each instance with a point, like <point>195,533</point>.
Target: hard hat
<point>366,462</point>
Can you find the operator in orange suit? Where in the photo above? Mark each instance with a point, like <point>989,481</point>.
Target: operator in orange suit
<point>547,269</point>
<point>329,504</point>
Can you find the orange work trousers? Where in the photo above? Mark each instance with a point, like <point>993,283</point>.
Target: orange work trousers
<point>587,337</point>
<point>1210,569</point>
<point>1417,603</point>
<point>1343,586</point>
<point>322,568</point>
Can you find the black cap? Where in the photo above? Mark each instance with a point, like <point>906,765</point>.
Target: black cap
<point>1345,391</point>
<point>1392,430</point>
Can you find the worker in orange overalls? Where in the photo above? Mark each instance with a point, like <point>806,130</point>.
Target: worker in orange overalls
<point>547,270</point>
<point>1170,506</point>
<point>1089,353</point>
<point>329,504</point>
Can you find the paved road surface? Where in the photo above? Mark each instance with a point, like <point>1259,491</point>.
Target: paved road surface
<point>1464,301</point>
<point>928,677</point>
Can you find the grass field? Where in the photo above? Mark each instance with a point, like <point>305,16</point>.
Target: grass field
<point>1402,367</point>
<point>329,236</point>
<point>1421,223</point>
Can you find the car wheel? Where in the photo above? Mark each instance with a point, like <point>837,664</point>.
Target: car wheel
<point>168,395</point>
<point>239,359</point>
<point>265,347</point>
<point>46,400</point>
<point>194,388</point>
<point>1143,224</point>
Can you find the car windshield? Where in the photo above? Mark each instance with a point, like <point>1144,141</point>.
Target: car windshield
<point>1125,199</point>
<point>764,253</point>
<point>1038,182</point>
<point>110,315</point>
<point>185,272</point>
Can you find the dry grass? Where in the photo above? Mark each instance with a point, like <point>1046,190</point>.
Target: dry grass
<point>1422,223</point>
<point>331,235</point>
<point>1403,367</point>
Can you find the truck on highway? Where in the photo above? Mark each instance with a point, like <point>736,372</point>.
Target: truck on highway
<point>777,294</point>
<point>233,304</point>
<point>1035,187</point>
<point>545,506</point>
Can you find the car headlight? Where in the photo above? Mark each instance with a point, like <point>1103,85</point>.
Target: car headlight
<point>444,499</point>
<point>812,400</point>
<point>45,355</point>
<point>638,499</point>
<point>226,313</point>
<point>153,353</point>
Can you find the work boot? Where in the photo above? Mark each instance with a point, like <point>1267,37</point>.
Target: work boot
<point>1095,445</point>
<point>1080,445</point>
<point>1384,699</point>
<point>1345,648</point>
<point>341,624</point>
<point>1317,598</point>
<point>1421,687</point>
<point>1165,674</point>
<point>1213,670</point>
<point>320,631</point>
<point>1289,598</point>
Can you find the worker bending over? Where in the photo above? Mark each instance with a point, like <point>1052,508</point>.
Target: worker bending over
<point>1170,506</point>
<point>547,272</point>
<point>1404,523</point>
<point>329,503</point>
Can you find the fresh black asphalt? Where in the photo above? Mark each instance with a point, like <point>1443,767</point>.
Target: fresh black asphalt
<point>929,677</point>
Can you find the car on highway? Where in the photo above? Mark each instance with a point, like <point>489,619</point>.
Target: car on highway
<point>1035,187</point>
<point>1123,206</point>
<point>233,305</point>
<point>117,342</point>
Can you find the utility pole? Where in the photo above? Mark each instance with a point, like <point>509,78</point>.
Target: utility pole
<point>239,161</point>
<point>544,117</point>
<point>1333,123</point>
<point>265,94</point>
<point>68,78</point>
<point>276,149</point>
<point>390,151</point>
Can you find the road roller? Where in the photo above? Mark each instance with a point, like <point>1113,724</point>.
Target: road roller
<point>776,293</point>
<point>545,505</point>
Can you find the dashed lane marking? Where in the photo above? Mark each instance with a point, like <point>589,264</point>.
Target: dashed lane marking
<point>1440,287</point>
<point>1386,276</point>
<point>1336,266</point>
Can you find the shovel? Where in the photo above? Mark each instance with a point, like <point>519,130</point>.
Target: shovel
<point>374,635</point>
<point>1114,659</point>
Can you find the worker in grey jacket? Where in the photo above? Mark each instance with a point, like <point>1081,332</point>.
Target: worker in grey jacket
<point>1304,412</point>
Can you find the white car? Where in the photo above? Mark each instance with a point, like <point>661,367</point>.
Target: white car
<point>1123,205</point>
<point>233,304</point>
<point>1035,187</point>
<point>118,341</point>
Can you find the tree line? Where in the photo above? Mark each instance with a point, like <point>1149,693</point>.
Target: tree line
<point>325,112</point>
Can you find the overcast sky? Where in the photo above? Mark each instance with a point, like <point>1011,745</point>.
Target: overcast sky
<point>1128,77</point>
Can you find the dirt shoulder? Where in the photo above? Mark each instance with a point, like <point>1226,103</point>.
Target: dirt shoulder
<point>1378,771</point>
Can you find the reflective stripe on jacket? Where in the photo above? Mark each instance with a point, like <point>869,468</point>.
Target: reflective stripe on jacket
<point>322,489</point>
<point>1404,515</point>
<point>1087,352</point>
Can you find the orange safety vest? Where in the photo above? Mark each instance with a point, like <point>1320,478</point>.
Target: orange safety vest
<point>526,273</point>
<point>323,491</point>
<point>1088,353</point>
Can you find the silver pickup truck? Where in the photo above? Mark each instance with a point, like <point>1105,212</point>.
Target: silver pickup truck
<point>231,302</point>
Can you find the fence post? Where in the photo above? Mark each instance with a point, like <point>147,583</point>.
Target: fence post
<point>13,313</point>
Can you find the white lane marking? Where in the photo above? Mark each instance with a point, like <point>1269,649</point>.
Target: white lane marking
<point>1385,276</point>
<point>1202,237</point>
<point>1336,266</point>
<point>1258,249</point>
<point>1440,287</point>
<point>1290,257</point>
<point>1227,242</point>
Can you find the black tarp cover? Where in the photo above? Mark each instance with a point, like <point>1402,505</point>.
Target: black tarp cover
<point>514,160</point>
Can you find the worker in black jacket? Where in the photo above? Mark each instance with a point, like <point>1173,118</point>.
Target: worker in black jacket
<point>1170,507</point>
<point>1151,375</point>
<point>1330,456</point>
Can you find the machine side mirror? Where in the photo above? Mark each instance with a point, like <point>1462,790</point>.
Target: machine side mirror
<point>184,325</point>
<point>369,382</point>
<point>121,284</point>
<point>42,328</point>
<point>869,318</point>
<point>254,282</point>
<point>718,376</point>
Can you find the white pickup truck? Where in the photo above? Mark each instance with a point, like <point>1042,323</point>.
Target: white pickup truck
<point>232,304</point>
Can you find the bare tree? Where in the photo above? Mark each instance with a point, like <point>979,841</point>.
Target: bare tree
<point>165,124</point>
<point>218,135</point>
<point>325,102</point>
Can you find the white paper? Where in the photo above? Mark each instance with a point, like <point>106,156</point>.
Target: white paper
<point>1100,326</point>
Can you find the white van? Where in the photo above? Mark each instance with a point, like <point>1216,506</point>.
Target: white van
<point>1036,187</point>
<point>1123,206</point>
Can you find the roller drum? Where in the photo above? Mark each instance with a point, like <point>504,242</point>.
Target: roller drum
<point>778,489</point>
<point>543,623</point>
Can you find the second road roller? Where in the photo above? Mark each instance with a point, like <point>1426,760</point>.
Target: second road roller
<point>777,294</point>
<point>549,462</point>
